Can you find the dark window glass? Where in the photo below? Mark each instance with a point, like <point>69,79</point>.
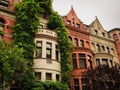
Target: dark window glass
<point>38,75</point>
<point>74,62</point>
<point>76,42</point>
<point>48,50</point>
<point>57,53</point>
<point>81,43</point>
<point>105,61</point>
<point>39,49</point>
<point>82,60</point>
<point>97,62</point>
<point>48,76</point>
<point>57,77</point>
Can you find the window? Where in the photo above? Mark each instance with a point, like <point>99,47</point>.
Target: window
<point>105,61</point>
<point>111,63</point>
<point>57,77</point>
<point>48,76</point>
<point>81,43</point>
<point>108,50</point>
<point>70,38</point>
<point>89,61</point>
<point>39,49</point>
<point>103,34</point>
<point>98,48</point>
<point>68,22</point>
<point>96,32</point>
<point>82,61</point>
<point>38,75</point>
<point>73,23</point>
<point>48,50</point>
<point>97,62</point>
<point>76,84</point>
<point>1,27</point>
<point>78,25</point>
<point>115,36</point>
<point>76,42</point>
<point>85,83</point>
<point>103,49</point>
<point>74,62</point>
<point>57,53</point>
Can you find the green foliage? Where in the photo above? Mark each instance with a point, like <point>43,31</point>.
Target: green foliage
<point>45,7</point>
<point>26,25</point>
<point>28,79</point>
<point>55,22</point>
<point>50,85</point>
<point>12,63</point>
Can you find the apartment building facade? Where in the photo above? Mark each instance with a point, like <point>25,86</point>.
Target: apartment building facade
<point>82,55</point>
<point>92,46</point>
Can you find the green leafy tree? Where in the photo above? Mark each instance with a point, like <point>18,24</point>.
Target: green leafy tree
<point>12,64</point>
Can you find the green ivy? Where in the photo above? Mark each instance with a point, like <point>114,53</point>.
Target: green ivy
<point>55,23</point>
<point>26,24</point>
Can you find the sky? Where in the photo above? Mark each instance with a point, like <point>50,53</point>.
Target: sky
<point>107,11</point>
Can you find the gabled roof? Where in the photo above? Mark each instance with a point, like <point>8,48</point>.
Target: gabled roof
<point>96,24</point>
<point>72,15</point>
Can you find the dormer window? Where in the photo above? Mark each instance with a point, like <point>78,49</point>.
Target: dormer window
<point>68,22</point>
<point>96,32</point>
<point>78,25</point>
<point>115,36</point>
<point>103,34</point>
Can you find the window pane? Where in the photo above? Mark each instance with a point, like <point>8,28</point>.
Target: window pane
<point>97,62</point>
<point>48,53</point>
<point>57,77</point>
<point>76,81</point>
<point>85,88</point>
<point>105,61</point>
<point>76,88</point>
<point>48,76</point>
<point>85,81</point>
<point>74,62</point>
<point>82,63</point>
<point>38,75</point>
<point>39,52</point>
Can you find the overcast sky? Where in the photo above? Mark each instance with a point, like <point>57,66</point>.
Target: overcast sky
<point>107,11</point>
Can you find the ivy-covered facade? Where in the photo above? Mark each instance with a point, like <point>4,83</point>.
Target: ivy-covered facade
<point>57,49</point>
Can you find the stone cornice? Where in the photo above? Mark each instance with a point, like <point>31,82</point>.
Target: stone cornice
<point>77,29</point>
<point>103,38</point>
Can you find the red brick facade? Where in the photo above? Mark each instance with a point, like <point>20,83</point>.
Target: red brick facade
<point>115,35</point>
<point>7,18</point>
<point>82,56</point>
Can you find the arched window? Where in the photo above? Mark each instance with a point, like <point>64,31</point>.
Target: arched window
<point>108,50</point>
<point>1,27</point>
<point>103,49</point>
<point>98,48</point>
<point>115,36</point>
<point>81,43</point>
<point>70,38</point>
<point>93,46</point>
<point>1,24</point>
<point>76,42</point>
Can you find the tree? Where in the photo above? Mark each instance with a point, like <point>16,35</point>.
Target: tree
<point>104,77</point>
<point>12,64</point>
